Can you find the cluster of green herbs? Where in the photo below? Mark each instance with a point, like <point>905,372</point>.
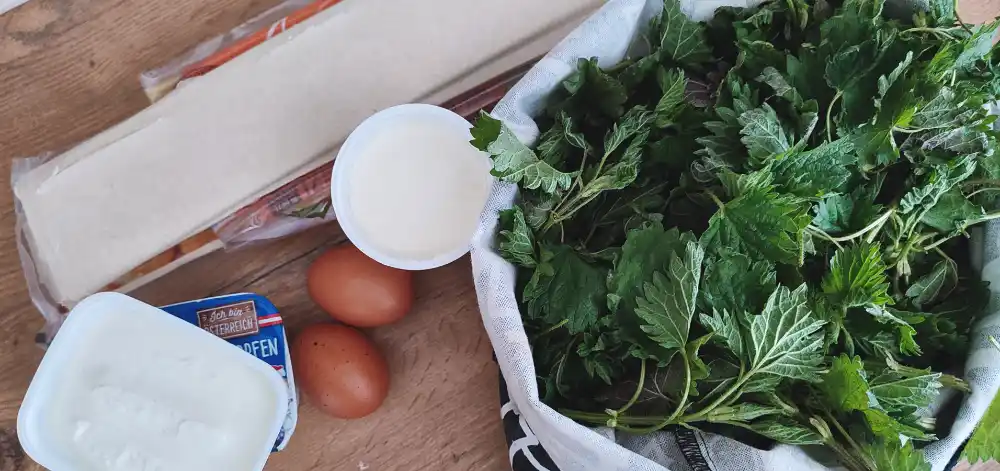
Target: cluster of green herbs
<point>756,226</point>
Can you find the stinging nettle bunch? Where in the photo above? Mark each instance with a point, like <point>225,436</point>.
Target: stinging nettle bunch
<point>756,226</point>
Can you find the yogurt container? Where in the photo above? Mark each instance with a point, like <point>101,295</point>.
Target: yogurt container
<point>127,387</point>
<point>408,188</point>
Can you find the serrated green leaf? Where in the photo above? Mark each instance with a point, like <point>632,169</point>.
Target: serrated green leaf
<point>670,301</point>
<point>637,72</point>
<point>682,39</point>
<point>565,287</point>
<point>886,82</point>
<point>773,78</point>
<point>555,145</point>
<point>891,455</point>
<point>984,445</point>
<point>785,339</point>
<point>937,184</point>
<point>763,223</point>
<point>942,12</point>
<point>516,242</point>
<point>934,286</point>
<point>537,208</point>
<point>953,213</point>
<point>647,249</point>
<point>857,277</point>
<point>888,428</point>
<point>816,172</point>
<point>977,46</point>
<point>905,394</point>
<point>735,283</point>
<point>763,134</point>
<point>514,162</point>
<point>833,214</point>
<point>727,330</point>
<point>622,173</point>
<point>634,123</point>
<point>845,386</point>
<point>787,432</point>
<point>674,87</point>
<point>591,89</point>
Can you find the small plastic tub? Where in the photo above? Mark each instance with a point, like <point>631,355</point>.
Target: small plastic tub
<point>408,188</point>
<point>125,386</point>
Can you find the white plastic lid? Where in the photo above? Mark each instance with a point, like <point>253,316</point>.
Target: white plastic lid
<point>126,386</point>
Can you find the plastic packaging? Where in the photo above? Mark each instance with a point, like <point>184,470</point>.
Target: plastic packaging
<point>118,358</point>
<point>250,322</point>
<point>297,206</point>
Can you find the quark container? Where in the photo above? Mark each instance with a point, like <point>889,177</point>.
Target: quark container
<point>126,386</point>
<point>252,323</point>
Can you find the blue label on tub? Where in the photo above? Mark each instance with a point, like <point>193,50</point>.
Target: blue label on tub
<point>252,323</point>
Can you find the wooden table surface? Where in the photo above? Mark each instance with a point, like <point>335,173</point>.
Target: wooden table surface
<point>68,69</point>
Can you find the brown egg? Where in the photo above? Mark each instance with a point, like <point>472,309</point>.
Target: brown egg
<point>357,290</point>
<point>339,370</point>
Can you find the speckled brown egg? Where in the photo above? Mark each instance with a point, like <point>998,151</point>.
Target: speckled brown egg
<point>339,370</point>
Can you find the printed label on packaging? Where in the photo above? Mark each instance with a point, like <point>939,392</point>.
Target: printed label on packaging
<point>251,322</point>
<point>234,320</point>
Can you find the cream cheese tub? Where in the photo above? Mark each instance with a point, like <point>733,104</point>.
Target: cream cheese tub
<point>126,386</point>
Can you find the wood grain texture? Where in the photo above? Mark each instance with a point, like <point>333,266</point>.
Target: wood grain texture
<point>68,69</point>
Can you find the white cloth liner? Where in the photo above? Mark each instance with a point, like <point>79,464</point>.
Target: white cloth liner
<point>607,35</point>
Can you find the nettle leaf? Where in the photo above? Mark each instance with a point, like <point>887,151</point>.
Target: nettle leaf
<point>727,330</point>
<point>555,144</point>
<point>674,87</point>
<point>890,454</point>
<point>774,79</point>
<point>682,39</point>
<point>785,339</point>
<point>815,172</point>
<point>763,223</point>
<point>591,88</point>
<point>942,111</point>
<point>514,162</point>
<point>634,123</point>
<point>833,214</point>
<point>763,133</point>
<point>953,213</point>
<point>635,73</point>
<point>977,46</point>
<point>670,301</point>
<point>857,277</point>
<point>934,286</point>
<point>888,428</point>
<point>851,64</point>
<point>516,242</point>
<point>886,82</point>
<point>565,287</point>
<point>736,283</point>
<point>875,146</point>
<point>943,12</point>
<point>538,207</point>
<point>845,386</point>
<point>787,431</point>
<point>744,412</point>
<point>647,249</point>
<point>905,394</point>
<point>901,320</point>
<point>937,184</point>
<point>622,174</point>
